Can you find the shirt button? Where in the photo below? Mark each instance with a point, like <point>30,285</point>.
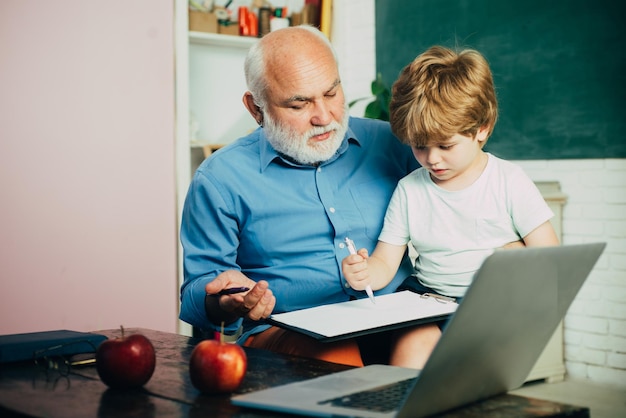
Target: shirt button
<point>332,210</point>
<point>319,169</point>
<point>342,245</point>
<point>346,285</point>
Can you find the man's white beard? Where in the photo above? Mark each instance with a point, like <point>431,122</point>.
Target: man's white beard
<point>289,143</point>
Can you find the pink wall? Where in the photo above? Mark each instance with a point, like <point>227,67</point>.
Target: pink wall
<point>87,175</point>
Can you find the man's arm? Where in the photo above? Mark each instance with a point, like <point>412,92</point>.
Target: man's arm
<point>209,236</point>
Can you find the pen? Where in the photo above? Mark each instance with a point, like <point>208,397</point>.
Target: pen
<point>230,291</point>
<point>368,288</point>
<point>438,298</point>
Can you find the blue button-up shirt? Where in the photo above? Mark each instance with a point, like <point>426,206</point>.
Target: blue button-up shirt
<point>249,209</point>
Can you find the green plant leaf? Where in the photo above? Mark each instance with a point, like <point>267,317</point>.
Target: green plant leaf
<point>378,86</point>
<point>355,101</point>
<point>378,108</point>
<point>374,111</point>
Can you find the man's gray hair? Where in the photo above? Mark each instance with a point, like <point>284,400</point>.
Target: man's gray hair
<point>254,66</point>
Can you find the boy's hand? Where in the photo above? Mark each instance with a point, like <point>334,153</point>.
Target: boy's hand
<point>355,269</point>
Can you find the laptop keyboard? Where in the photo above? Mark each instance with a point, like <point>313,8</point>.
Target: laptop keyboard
<point>381,399</point>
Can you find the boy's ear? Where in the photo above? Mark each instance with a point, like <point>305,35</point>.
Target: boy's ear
<point>482,133</point>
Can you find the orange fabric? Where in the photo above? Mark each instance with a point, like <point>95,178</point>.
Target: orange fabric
<point>288,342</point>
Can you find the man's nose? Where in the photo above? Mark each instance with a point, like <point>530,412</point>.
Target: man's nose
<point>322,114</point>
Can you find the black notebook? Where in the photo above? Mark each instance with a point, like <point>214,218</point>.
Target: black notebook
<point>18,347</point>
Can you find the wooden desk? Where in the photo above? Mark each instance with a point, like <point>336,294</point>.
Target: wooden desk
<point>24,390</point>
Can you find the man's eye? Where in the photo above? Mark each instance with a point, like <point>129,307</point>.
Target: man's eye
<point>445,147</point>
<point>297,105</point>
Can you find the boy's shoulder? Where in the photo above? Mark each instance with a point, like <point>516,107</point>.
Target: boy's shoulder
<point>418,176</point>
<point>504,165</point>
<point>509,172</point>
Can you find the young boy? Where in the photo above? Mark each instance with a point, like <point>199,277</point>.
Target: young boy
<point>463,203</point>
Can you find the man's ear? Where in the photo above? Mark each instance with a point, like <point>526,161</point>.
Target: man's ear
<point>253,109</point>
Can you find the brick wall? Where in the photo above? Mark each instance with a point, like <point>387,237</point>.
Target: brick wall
<point>595,211</point>
<point>595,326</point>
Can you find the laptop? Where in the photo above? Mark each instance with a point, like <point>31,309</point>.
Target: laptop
<point>515,302</point>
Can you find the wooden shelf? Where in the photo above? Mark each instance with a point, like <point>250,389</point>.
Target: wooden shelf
<point>207,148</point>
<point>215,39</point>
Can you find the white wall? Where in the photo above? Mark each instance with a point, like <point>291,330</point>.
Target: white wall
<point>595,326</point>
<point>88,213</point>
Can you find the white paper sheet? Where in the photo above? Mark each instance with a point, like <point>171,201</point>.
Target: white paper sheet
<point>358,315</point>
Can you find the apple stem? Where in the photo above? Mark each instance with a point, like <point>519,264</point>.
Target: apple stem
<point>222,334</point>
<point>122,329</point>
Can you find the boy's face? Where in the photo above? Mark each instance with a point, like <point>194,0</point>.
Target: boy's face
<point>455,163</point>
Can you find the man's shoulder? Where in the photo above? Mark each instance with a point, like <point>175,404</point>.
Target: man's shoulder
<point>243,149</point>
<point>367,125</point>
<point>379,143</point>
<point>374,131</point>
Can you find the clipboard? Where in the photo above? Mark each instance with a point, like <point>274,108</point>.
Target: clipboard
<point>354,318</point>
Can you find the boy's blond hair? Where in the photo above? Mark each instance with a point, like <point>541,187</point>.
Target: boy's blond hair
<point>443,93</point>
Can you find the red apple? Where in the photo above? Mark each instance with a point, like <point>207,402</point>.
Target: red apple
<point>217,367</point>
<point>126,362</point>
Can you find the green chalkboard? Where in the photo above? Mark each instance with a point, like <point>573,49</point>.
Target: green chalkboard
<point>559,67</point>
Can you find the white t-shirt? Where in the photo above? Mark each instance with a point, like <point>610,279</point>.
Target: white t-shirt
<point>454,231</point>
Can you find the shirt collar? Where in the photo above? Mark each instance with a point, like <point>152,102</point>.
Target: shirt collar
<point>268,154</point>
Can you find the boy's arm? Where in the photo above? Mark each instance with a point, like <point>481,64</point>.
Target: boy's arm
<point>542,236</point>
<point>513,245</point>
<point>384,262</point>
<point>376,270</point>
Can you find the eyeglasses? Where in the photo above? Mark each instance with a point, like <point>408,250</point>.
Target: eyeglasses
<point>57,362</point>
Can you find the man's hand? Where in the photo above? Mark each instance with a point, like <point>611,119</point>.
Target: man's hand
<point>257,303</point>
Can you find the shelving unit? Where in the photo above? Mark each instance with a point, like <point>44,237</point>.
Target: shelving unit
<point>214,39</point>
<point>210,85</point>
<point>216,87</point>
